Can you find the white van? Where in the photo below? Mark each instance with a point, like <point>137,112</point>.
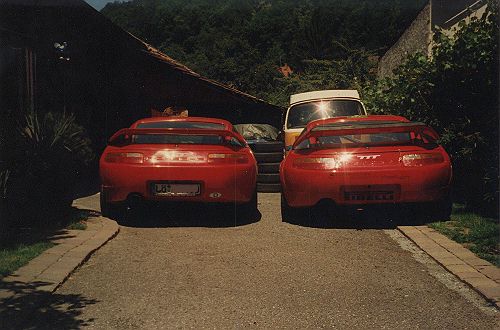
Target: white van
<point>309,106</point>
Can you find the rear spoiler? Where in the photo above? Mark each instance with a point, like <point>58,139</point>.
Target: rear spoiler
<point>369,128</point>
<point>127,133</point>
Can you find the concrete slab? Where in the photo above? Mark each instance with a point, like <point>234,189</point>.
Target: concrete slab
<point>490,271</point>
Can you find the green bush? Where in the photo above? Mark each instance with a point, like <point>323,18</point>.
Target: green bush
<point>455,91</point>
<point>48,152</point>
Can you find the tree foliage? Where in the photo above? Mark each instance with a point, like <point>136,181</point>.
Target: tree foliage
<point>455,91</point>
<point>242,43</point>
<point>329,44</point>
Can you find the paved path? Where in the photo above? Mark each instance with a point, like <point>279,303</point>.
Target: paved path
<point>479,274</point>
<point>183,269</point>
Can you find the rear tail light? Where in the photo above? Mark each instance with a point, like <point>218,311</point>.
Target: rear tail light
<point>124,157</point>
<point>228,158</point>
<point>322,163</point>
<point>422,159</point>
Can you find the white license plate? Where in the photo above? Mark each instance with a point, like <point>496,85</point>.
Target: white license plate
<point>369,195</point>
<point>175,189</point>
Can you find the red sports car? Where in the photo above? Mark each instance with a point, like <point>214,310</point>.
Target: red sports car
<point>367,160</point>
<point>178,159</point>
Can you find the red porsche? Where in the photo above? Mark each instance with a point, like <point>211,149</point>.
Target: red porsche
<point>178,159</point>
<point>354,161</point>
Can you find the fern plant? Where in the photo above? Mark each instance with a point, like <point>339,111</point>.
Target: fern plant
<point>51,150</point>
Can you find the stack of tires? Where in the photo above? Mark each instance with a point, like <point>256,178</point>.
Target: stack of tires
<point>269,154</point>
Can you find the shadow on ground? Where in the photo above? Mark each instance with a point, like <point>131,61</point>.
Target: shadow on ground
<point>185,215</point>
<point>374,217</point>
<point>32,308</point>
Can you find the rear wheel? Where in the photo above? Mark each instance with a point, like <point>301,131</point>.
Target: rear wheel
<point>269,157</point>
<point>269,168</point>
<point>268,178</point>
<point>241,213</point>
<point>108,210</point>
<point>442,209</point>
<point>434,211</point>
<point>286,210</point>
<point>249,208</point>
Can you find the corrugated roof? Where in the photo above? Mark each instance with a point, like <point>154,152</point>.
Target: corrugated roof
<point>159,55</point>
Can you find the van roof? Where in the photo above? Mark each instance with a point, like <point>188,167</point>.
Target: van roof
<point>325,94</point>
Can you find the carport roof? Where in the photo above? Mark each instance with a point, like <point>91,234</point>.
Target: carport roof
<point>19,26</point>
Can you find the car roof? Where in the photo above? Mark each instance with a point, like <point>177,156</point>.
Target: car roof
<point>225,123</point>
<point>356,119</point>
<point>324,94</point>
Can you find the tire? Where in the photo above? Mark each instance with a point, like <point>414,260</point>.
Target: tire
<point>108,210</point>
<point>269,167</point>
<point>250,208</point>
<point>269,157</point>
<point>442,209</point>
<point>268,178</point>
<point>269,187</point>
<point>431,212</point>
<point>236,214</point>
<point>286,211</point>
<point>271,146</point>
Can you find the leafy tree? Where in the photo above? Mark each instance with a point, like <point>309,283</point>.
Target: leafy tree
<point>243,42</point>
<point>456,91</point>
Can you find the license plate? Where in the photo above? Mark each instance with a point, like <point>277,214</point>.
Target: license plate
<point>369,195</point>
<point>175,189</point>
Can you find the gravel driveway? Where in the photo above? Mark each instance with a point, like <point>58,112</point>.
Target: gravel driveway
<point>184,270</point>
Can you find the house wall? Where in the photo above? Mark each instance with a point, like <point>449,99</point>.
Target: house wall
<point>445,15</point>
<point>417,38</point>
<point>451,26</point>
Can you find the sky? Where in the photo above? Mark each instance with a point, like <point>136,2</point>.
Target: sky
<point>98,4</point>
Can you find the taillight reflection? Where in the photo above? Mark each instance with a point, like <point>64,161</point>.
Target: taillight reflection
<point>228,158</point>
<point>170,156</point>
<point>322,163</point>
<point>124,157</point>
<point>422,159</point>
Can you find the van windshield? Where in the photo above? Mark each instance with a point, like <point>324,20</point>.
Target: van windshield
<point>301,114</point>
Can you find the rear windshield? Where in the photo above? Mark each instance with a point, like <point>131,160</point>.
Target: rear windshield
<point>351,140</point>
<point>176,139</point>
<point>301,114</point>
<point>181,124</point>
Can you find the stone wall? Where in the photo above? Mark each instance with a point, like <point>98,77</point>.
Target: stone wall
<point>417,38</point>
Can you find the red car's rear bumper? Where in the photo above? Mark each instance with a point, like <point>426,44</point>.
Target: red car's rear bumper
<point>235,183</point>
<point>402,185</point>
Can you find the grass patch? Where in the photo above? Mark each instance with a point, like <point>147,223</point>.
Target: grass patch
<point>14,257</point>
<point>477,233</point>
<point>19,245</point>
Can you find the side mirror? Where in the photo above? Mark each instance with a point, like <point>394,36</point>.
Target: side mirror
<point>313,141</point>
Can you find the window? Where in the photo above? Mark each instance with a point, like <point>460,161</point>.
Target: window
<point>176,139</point>
<point>300,115</point>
